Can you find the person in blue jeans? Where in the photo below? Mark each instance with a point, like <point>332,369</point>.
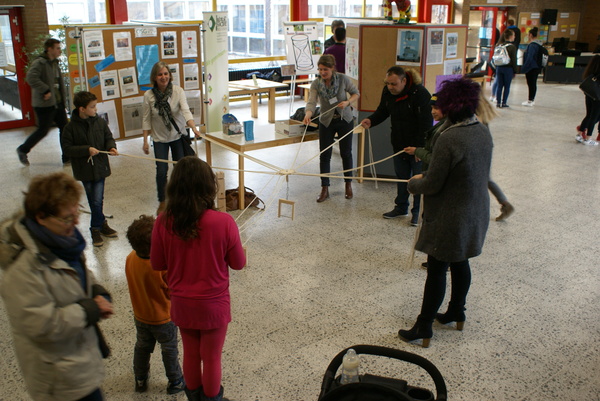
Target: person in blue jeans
<point>83,139</point>
<point>165,116</point>
<point>505,73</point>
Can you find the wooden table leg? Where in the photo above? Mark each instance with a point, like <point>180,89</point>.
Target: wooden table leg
<point>208,152</point>
<point>254,105</point>
<point>271,105</point>
<point>241,188</point>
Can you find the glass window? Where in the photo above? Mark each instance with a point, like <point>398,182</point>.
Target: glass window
<point>257,46</point>
<point>281,14</point>
<point>239,44</point>
<point>197,8</point>
<point>279,47</point>
<point>138,11</point>
<point>257,19</point>
<point>173,10</point>
<point>239,18</point>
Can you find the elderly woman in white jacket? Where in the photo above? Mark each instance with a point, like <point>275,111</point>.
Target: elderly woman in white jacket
<point>52,300</point>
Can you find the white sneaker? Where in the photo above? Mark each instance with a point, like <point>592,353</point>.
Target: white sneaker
<point>529,103</point>
<point>493,99</point>
<point>590,142</point>
<point>579,139</point>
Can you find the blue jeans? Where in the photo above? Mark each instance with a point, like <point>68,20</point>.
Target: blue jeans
<point>406,166</point>
<point>94,191</point>
<point>326,135</point>
<point>147,336</point>
<point>161,151</point>
<point>504,76</point>
<point>46,116</point>
<point>95,396</point>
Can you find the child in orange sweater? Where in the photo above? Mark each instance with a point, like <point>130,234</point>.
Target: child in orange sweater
<point>151,307</point>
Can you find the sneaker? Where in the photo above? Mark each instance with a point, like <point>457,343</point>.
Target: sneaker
<point>505,210</point>
<point>96,237</point>
<point>492,99</point>
<point>141,385</point>
<point>590,142</point>
<point>528,103</point>
<point>505,105</point>
<point>414,221</point>
<point>107,231</point>
<point>394,214</point>
<point>579,138</point>
<point>23,157</point>
<point>176,386</point>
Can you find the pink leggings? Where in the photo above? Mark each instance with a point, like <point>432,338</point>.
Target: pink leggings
<point>202,358</point>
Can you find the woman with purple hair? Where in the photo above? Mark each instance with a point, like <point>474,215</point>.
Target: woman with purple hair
<point>457,207</point>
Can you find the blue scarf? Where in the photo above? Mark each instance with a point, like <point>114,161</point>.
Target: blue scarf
<point>68,249</point>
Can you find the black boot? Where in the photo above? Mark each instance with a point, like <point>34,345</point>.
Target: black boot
<point>421,330</point>
<point>460,273</point>
<point>453,314</point>
<point>193,395</point>
<point>218,397</point>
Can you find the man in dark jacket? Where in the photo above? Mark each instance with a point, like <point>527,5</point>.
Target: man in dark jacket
<point>47,97</point>
<point>516,30</point>
<point>335,24</point>
<point>84,137</point>
<point>406,102</point>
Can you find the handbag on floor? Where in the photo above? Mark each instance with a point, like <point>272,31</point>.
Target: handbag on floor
<point>250,198</point>
<point>591,87</point>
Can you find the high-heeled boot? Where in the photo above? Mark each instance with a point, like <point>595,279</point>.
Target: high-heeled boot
<point>193,395</point>
<point>218,397</point>
<point>453,314</point>
<point>349,193</point>
<point>324,195</point>
<point>421,330</point>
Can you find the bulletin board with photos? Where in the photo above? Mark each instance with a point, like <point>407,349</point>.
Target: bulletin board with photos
<point>434,50</point>
<point>115,62</point>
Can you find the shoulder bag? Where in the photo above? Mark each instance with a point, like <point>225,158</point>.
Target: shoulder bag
<point>591,87</point>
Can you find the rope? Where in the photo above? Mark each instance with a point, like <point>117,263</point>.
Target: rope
<point>373,169</point>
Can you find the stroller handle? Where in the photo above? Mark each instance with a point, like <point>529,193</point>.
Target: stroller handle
<point>438,379</point>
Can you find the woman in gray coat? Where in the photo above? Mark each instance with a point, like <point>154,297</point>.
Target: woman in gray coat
<point>456,213</point>
<point>331,88</point>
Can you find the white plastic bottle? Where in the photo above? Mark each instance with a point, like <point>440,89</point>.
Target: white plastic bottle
<point>350,367</point>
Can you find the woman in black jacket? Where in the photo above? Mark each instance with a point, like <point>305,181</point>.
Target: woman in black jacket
<point>505,73</point>
<point>592,107</point>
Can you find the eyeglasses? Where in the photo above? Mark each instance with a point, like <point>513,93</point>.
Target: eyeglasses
<point>69,220</point>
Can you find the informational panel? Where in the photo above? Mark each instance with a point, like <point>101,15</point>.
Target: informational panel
<point>567,26</point>
<point>430,49</point>
<point>114,63</point>
<point>528,21</point>
<point>216,62</point>
<point>303,45</point>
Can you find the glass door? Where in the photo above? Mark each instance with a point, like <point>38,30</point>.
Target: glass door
<point>15,95</point>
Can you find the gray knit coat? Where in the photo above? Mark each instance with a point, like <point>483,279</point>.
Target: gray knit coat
<point>455,188</point>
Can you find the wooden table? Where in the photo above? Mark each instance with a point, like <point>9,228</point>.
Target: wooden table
<point>248,87</point>
<point>269,139</point>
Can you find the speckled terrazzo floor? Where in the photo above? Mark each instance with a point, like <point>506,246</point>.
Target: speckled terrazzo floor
<point>338,274</point>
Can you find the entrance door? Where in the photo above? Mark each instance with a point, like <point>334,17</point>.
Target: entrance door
<point>485,25</point>
<point>15,95</point>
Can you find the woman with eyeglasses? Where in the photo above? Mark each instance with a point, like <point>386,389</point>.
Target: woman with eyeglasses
<point>52,300</point>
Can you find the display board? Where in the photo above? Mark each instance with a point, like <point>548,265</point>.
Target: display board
<point>431,49</point>
<point>114,63</point>
<point>567,26</point>
<point>528,21</point>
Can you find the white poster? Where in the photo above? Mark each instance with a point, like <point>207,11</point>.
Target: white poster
<point>132,115</point>
<point>303,45</point>
<point>122,43</point>
<point>451,44</point>
<point>352,57</point>
<point>216,65</point>
<point>453,67</point>
<point>109,85</point>
<point>189,44</point>
<point>195,103</point>
<point>146,32</point>
<point>108,112</point>
<point>435,46</point>
<point>168,44</point>
<point>94,45</point>
<point>190,76</point>
<point>174,68</point>
<point>408,48</point>
<point>128,81</point>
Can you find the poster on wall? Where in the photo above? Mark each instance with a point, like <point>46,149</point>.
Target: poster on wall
<point>303,46</point>
<point>128,81</point>
<point>352,58</point>
<point>168,44</point>
<point>145,57</point>
<point>174,68</point>
<point>132,115</point>
<point>122,43</point>
<point>189,44</point>
<point>109,85</point>
<point>453,67</point>
<point>195,104</point>
<point>435,46</point>
<point>94,45</point>
<point>108,112</point>
<point>216,61</point>
<point>3,58</point>
<point>408,48</point>
<point>451,44</point>
<point>190,76</point>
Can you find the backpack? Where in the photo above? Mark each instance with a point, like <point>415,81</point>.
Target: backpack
<point>542,57</point>
<point>501,56</point>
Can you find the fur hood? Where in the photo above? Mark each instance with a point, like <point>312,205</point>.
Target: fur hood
<point>11,242</point>
<point>415,78</point>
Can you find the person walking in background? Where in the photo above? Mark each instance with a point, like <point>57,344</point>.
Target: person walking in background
<point>406,101</point>
<point>47,97</point>
<point>457,207</point>
<point>506,72</point>
<point>532,65</point>
<point>585,130</point>
<point>511,25</point>
<point>335,24</point>
<point>151,305</point>
<point>52,300</point>
<point>197,245</point>
<point>331,89</point>
<point>166,113</point>
<point>338,50</point>
<point>83,138</point>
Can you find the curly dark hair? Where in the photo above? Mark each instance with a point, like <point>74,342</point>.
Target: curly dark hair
<point>191,190</point>
<point>139,235</point>
<point>49,194</point>
<point>458,98</point>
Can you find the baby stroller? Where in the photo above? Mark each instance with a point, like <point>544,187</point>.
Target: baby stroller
<point>377,388</point>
